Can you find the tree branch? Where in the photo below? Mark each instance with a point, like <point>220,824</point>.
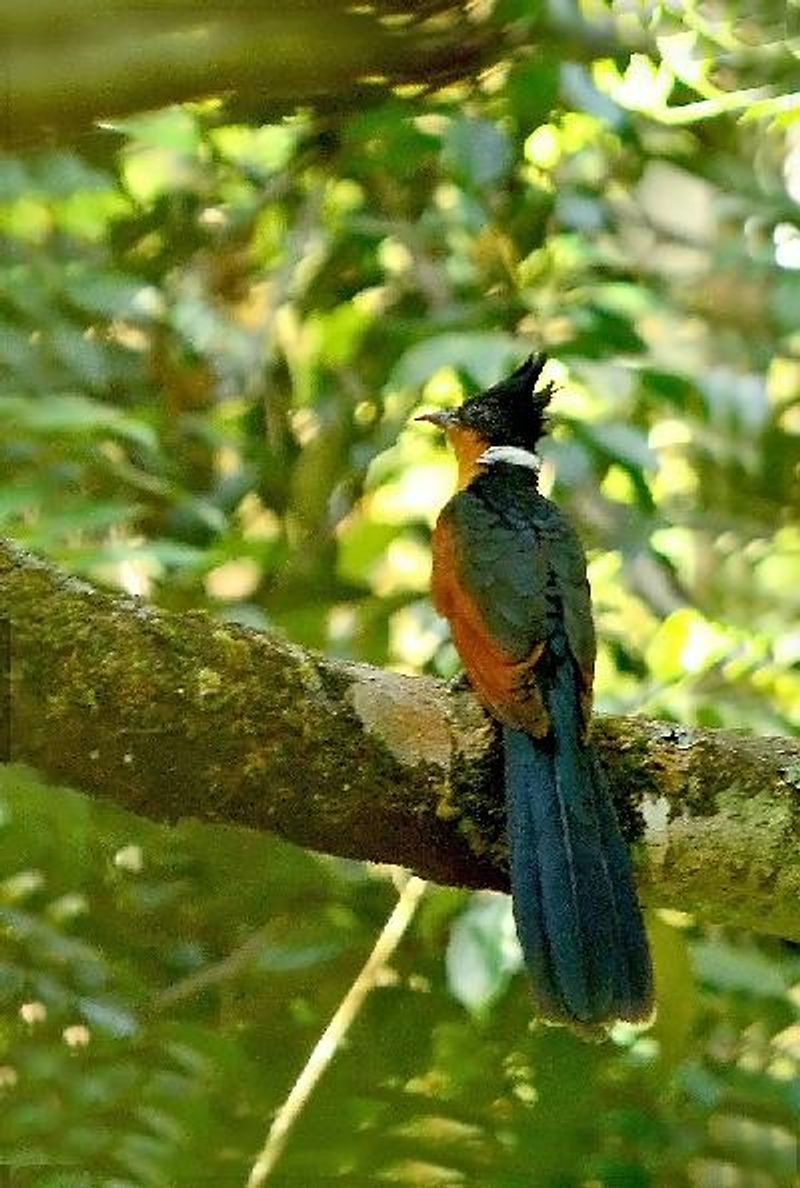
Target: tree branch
<point>64,67</point>
<point>61,68</point>
<point>174,716</point>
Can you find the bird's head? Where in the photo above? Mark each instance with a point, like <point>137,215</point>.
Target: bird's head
<point>503,423</point>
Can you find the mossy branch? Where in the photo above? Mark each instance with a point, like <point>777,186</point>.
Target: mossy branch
<point>173,716</point>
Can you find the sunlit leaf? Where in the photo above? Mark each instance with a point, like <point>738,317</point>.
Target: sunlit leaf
<point>483,953</point>
<point>728,967</point>
<point>73,414</point>
<point>484,356</point>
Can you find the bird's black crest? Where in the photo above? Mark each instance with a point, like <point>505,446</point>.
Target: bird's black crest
<point>511,412</point>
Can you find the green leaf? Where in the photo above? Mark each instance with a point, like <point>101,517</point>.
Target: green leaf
<point>277,958</point>
<point>581,90</point>
<point>172,128</point>
<point>483,952</point>
<point>61,174</point>
<point>362,545</point>
<point>76,515</point>
<point>15,180</point>
<point>73,414</point>
<point>109,1016</point>
<point>730,967</point>
<point>622,443</point>
<point>676,991</point>
<point>108,294</point>
<point>532,92</point>
<point>668,385</point>
<point>12,981</point>
<point>83,357</point>
<point>485,356</point>
<point>784,300</point>
<point>599,333</point>
<point>685,642</point>
<point>69,1179</point>
<point>479,150</point>
<point>264,150</point>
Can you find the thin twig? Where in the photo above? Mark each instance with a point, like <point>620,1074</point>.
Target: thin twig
<point>332,1037</point>
<point>227,968</point>
<point>709,109</point>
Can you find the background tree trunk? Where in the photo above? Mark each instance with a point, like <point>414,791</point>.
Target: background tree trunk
<point>64,67</point>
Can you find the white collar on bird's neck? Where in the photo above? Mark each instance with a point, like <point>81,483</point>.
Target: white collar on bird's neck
<point>514,455</point>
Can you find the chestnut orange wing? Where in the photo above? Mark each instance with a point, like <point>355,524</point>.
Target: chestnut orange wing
<point>489,580</point>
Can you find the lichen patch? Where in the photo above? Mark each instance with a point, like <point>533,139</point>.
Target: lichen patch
<point>414,729</point>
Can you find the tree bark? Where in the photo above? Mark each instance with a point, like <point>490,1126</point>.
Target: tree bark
<point>62,67</point>
<point>173,716</point>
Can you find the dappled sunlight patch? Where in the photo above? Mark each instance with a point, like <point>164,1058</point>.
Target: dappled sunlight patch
<point>234,580</point>
<point>415,635</point>
<point>417,495</point>
<point>686,642</point>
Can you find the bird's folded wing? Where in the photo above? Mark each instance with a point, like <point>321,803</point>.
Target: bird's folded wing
<point>500,577</point>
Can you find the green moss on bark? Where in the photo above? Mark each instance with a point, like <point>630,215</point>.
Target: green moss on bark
<point>174,716</point>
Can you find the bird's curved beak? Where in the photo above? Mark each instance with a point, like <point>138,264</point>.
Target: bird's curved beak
<point>441,418</point>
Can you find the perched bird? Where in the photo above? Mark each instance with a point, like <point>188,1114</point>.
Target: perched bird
<point>509,574</point>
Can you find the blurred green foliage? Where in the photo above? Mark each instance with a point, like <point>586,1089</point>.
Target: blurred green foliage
<point>212,340</point>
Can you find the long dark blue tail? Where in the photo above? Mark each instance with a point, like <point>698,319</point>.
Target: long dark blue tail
<point>575,905</point>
